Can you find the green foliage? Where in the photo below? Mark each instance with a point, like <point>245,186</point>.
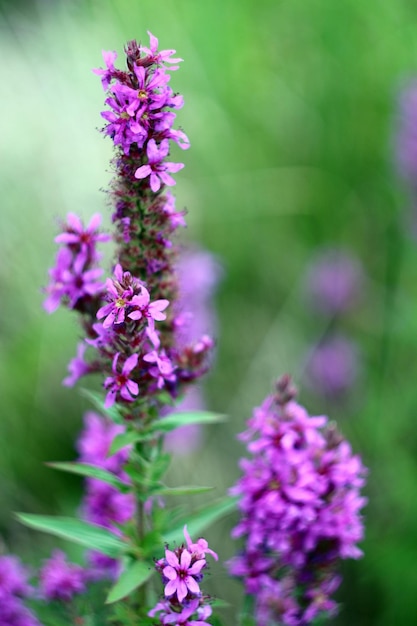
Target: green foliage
<point>92,471</point>
<point>181,491</point>
<point>136,574</point>
<point>176,420</point>
<point>87,535</point>
<point>199,520</point>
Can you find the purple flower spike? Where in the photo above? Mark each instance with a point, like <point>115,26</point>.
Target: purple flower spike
<point>300,503</point>
<point>156,168</point>
<point>120,383</point>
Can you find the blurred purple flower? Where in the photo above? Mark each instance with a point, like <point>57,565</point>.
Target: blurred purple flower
<point>334,281</point>
<point>120,384</point>
<point>332,366</point>
<point>199,274</point>
<point>187,439</point>
<point>102,503</point>
<point>300,510</point>
<point>406,140</point>
<point>13,589</point>
<point>60,580</point>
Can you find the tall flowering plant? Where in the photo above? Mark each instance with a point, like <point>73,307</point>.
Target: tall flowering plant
<point>299,494</point>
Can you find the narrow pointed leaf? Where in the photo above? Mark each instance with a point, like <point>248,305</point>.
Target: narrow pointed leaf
<point>186,490</point>
<point>91,471</point>
<point>132,578</point>
<point>122,440</point>
<point>88,535</point>
<point>175,420</point>
<point>200,520</point>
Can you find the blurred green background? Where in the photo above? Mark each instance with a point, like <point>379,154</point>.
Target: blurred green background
<point>291,112</point>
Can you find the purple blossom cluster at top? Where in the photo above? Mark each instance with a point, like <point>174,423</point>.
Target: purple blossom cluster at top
<point>14,588</point>
<point>130,322</point>
<point>300,501</point>
<point>182,572</point>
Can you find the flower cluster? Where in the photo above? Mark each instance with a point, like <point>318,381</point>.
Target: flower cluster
<point>127,320</point>
<point>14,588</point>
<point>181,570</point>
<point>334,287</point>
<point>300,503</point>
<point>75,277</point>
<point>60,580</point>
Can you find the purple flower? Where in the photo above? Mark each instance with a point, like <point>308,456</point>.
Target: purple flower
<point>165,56</point>
<point>156,168</point>
<point>186,439</point>
<point>151,311</point>
<point>120,383</point>
<point>95,441</point>
<point>150,92</point>
<point>180,574</point>
<point>334,281</point>
<point>13,578</point>
<point>84,238</point>
<point>120,291</point>
<point>163,370</point>
<point>199,274</point>
<point>332,366</point>
<point>199,548</point>
<point>14,613</point>
<point>406,148</point>
<point>107,74</point>
<point>56,290</point>
<point>103,504</point>
<point>168,615</point>
<point>60,580</point>
<point>300,506</point>
<point>13,589</point>
<point>77,367</point>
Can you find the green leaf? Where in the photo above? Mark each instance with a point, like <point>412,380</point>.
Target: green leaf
<point>97,401</point>
<point>181,491</point>
<point>88,535</point>
<point>134,576</point>
<point>85,469</point>
<point>124,439</point>
<point>175,420</point>
<point>200,520</point>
